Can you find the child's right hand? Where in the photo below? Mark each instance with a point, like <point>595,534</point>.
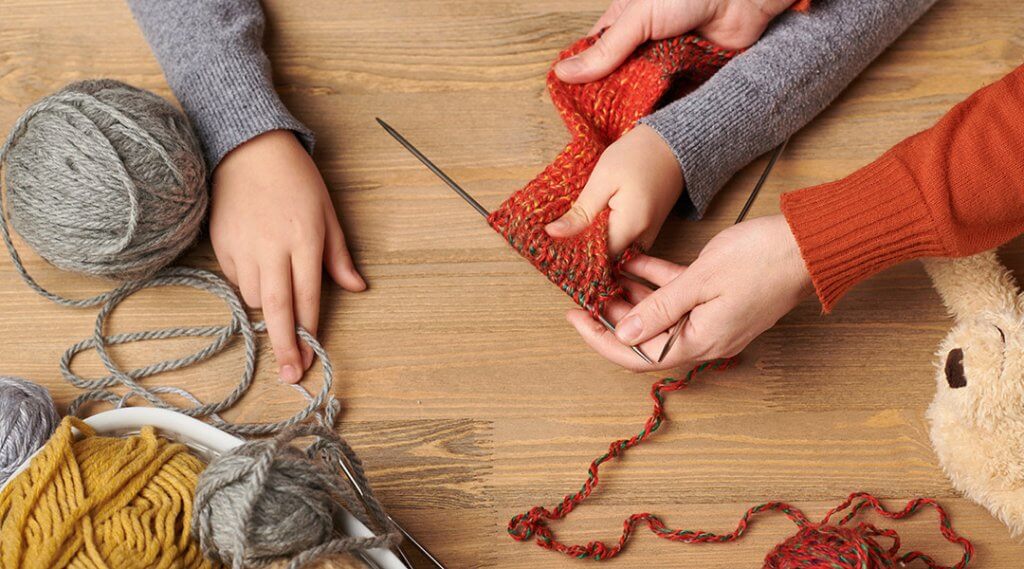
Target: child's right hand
<point>731,24</point>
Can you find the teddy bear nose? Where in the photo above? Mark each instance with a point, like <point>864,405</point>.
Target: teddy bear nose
<point>955,369</point>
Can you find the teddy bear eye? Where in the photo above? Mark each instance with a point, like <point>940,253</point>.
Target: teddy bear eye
<point>955,369</point>
<point>1002,335</point>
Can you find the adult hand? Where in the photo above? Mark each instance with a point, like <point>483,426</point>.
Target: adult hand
<point>731,24</point>
<point>744,280</point>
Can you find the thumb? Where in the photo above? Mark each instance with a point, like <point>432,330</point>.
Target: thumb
<point>631,29</point>
<point>337,258</point>
<point>573,222</point>
<point>658,312</point>
<point>591,201</point>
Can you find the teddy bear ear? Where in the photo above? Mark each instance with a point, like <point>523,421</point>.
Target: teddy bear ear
<point>971,285</point>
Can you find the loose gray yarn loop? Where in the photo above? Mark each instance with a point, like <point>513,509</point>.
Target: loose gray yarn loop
<point>104,179</point>
<point>162,389</point>
<point>98,389</point>
<point>27,419</point>
<point>267,500</point>
<point>327,417</point>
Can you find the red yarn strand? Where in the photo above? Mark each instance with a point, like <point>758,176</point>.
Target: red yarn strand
<point>815,546</point>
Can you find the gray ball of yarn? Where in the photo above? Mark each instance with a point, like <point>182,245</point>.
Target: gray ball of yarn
<point>292,511</point>
<point>267,501</point>
<point>27,419</point>
<point>105,179</point>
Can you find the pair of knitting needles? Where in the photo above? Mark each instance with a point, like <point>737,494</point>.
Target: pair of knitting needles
<point>600,317</point>
<point>408,536</point>
<point>362,555</point>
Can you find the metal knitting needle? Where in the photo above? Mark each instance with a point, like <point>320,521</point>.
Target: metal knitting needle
<point>743,214</point>
<point>423,550</point>
<point>433,168</point>
<point>760,182</point>
<point>483,211</point>
<point>402,556</point>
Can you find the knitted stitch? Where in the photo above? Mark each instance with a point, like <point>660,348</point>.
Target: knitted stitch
<point>596,115</point>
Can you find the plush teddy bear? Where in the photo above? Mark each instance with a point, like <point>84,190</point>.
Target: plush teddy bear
<point>977,416</point>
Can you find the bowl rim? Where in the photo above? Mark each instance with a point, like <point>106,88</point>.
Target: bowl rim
<point>206,440</point>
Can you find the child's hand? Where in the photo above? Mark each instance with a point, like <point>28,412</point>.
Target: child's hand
<point>639,178</point>
<point>731,24</point>
<point>273,228</point>
<point>745,279</point>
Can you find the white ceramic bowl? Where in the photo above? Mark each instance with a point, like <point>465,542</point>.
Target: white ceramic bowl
<point>208,442</point>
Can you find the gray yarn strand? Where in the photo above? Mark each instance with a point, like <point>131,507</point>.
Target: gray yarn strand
<point>97,389</point>
<point>187,395</point>
<point>27,418</point>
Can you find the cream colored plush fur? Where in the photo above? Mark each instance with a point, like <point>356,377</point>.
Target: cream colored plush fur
<point>977,429</point>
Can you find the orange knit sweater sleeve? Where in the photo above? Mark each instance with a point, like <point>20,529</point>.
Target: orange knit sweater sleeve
<point>955,189</point>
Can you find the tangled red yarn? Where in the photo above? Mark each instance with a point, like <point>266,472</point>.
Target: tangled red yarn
<point>823,545</point>
<point>596,115</point>
<point>839,546</point>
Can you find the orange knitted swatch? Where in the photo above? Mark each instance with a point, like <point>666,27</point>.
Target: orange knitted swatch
<point>597,114</point>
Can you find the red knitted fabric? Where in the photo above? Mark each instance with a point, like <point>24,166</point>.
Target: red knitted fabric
<point>596,115</point>
<point>823,545</point>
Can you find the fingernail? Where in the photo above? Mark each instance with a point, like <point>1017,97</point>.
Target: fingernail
<point>570,66</point>
<point>290,374</point>
<point>630,329</point>
<point>360,282</point>
<point>558,225</point>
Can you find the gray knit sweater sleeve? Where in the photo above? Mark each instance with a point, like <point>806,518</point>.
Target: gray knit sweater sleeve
<point>803,61</point>
<point>212,55</point>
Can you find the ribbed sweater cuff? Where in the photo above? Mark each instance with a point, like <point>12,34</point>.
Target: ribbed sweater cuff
<point>704,130</point>
<point>853,228</point>
<point>233,100</point>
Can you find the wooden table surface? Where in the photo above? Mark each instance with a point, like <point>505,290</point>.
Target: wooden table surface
<point>465,391</point>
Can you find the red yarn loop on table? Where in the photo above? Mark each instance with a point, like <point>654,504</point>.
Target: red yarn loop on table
<point>839,546</point>
<point>597,114</point>
<point>825,545</point>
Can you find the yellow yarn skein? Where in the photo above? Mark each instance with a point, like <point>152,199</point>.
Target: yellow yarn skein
<point>102,503</point>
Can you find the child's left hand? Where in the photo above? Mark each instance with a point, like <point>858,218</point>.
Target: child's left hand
<point>639,179</point>
<point>745,279</point>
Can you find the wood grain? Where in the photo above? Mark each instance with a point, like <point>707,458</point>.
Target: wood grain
<point>468,396</point>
